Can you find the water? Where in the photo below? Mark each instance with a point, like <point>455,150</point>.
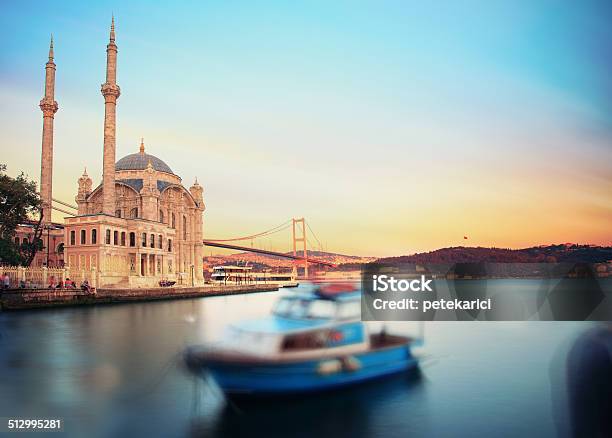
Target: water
<point>114,371</point>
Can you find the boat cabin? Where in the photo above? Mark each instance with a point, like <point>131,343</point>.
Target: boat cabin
<point>303,323</point>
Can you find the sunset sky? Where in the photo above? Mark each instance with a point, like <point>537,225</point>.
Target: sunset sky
<point>392,127</point>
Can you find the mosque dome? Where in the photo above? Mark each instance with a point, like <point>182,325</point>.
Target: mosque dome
<point>140,161</point>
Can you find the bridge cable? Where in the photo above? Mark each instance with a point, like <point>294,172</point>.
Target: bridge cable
<point>315,236</point>
<point>64,203</point>
<point>276,229</point>
<point>63,211</point>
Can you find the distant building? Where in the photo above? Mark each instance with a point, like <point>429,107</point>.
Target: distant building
<point>52,251</point>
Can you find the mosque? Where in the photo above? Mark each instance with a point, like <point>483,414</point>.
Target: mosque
<point>140,225</point>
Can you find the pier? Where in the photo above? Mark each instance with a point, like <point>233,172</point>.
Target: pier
<point>22,299</point>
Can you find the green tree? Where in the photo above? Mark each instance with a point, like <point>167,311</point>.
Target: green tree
<point>19,203</point>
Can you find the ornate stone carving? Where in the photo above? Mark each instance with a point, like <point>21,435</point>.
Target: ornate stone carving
<point>48,107</point>
<point>84,185</point>
<point>110,91</point>
<point>197,191</point>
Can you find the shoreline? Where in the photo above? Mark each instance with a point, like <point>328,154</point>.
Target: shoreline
<point>26,299</point>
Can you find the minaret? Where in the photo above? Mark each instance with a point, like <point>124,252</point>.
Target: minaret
<point>110,91</point>
<point>85,184</point>
<point>48,105</point>
<point>197,191</point>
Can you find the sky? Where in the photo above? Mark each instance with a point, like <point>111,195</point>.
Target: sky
<point>392,127</point>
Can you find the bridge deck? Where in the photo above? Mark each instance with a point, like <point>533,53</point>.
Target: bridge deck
<point>266,252</point>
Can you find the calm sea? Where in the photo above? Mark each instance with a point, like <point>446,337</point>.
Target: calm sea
<point>115,371</point>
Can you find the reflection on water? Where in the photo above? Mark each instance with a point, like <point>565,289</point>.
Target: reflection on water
<point>114,371</point>
<point>350,412</point>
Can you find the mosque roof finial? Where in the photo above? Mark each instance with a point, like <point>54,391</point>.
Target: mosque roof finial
<point>112,31</point>
<point>51,49</point>
<point>85,171</point>
<point>142,145</point>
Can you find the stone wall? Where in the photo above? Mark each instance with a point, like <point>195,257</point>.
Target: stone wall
<point>18,299</point>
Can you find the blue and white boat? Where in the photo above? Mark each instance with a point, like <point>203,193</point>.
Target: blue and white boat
<point>313,341</point>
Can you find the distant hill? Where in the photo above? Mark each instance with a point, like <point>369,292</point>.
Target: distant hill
<point>563,253</point>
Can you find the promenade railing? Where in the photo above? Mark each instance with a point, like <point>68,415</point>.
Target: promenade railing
<point>42,277</point>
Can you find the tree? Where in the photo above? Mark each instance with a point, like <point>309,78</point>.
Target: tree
<point>19,203</point>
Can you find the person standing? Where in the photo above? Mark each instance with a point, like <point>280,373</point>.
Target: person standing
<point>6,281</point>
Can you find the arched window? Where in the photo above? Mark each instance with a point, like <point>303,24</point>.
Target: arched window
<point>173,221</point>
<point>152,240</point>
<point>60,248</point>
<point>108,237</point>
<point>134,213</point>
<point>184,227</point>
<point>169,245</point>
<point>116,238</point>
<point>144,239</point>
<point>73,237</point>
<point>161,216</point>
<point>123,238</point>
<point>94,236</point>
<point>83,237</point>
<point>118,213</point>
<point>132,239</point>
<point>159,242</point>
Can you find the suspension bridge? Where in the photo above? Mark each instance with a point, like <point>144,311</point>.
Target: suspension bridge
<point>301,234</point>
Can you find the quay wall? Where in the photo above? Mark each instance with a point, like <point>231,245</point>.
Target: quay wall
<point>21,299</point>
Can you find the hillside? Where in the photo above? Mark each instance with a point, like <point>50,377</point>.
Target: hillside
<point>269,261</point>
<point>563,253</point>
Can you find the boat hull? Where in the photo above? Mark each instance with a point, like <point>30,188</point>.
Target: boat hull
<point>275,378</point>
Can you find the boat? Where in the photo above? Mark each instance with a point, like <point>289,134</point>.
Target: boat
<point>313,341</point>
<point>281,279</point>
<point>231,274</point>
<point>236,274</point>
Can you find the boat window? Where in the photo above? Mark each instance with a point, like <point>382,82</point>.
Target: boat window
<point>283,306</point>
<point>292,308</point>
<point>305,309</point>
<point>322,309</point>
<point>304,341</point>
<point>350,310</point>
<point>299,309</point>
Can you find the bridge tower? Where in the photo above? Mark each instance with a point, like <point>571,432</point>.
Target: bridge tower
<point>300,239</point>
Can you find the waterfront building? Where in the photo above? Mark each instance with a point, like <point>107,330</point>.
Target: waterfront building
<point>140,225</point>
<point>52,235</point>
<point>154,232</point>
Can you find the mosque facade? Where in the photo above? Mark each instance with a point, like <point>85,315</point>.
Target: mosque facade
<point>140,225</point>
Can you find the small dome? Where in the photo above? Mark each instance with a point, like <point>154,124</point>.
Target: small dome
<point>140,161</point>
